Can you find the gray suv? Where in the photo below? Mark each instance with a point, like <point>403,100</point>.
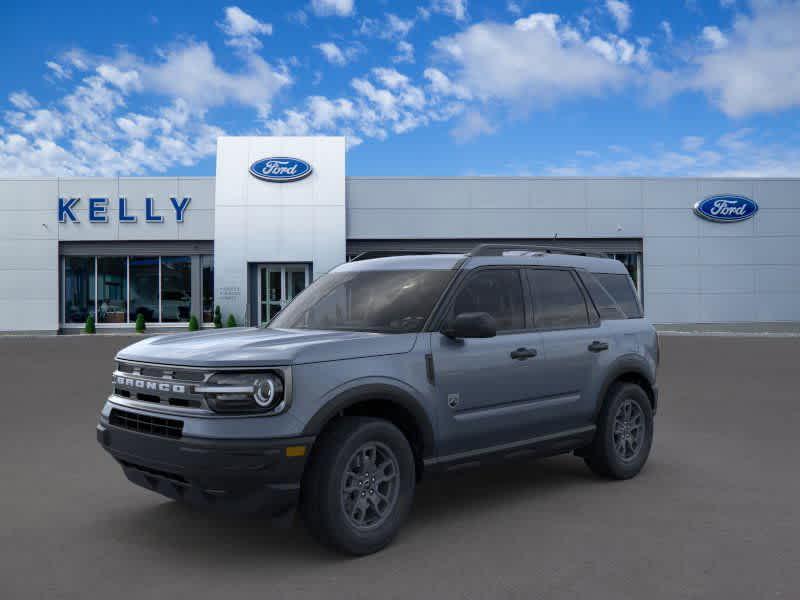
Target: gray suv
<point>386,370</point>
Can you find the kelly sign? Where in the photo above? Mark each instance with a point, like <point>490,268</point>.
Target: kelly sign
<point>98,210</point>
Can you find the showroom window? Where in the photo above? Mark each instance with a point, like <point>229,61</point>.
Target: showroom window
<point>112,289</point>
<point>79,288</point>
<point>116,289</point>
<point>207,273</point>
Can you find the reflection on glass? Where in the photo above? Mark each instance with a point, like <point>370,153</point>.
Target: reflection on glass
<point>144,288</point>
<point>295,282</point>
<point>111,289</point>
<point>275,285</point>
<point>176,288</point>
<point>78,288</point>
<point>207,269</point>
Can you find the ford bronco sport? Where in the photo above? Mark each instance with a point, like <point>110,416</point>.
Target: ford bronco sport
<point>386,370</point>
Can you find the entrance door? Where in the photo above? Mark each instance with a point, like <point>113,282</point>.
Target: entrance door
<point>278,285</point>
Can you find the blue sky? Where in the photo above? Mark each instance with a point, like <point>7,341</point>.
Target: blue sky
<point>437,87</point>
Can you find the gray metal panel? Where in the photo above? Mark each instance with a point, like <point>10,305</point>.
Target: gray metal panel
<point>136,248</point>
<point>610,245</point>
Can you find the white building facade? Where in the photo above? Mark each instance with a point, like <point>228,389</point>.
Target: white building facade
<point>281,212</point>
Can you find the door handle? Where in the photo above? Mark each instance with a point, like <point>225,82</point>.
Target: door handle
<point>597,346</point>
<point>523,353</point>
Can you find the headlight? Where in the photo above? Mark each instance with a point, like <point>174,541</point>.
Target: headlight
<point>244,392</point>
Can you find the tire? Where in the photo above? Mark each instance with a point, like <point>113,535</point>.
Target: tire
<point>339,509</point>
<point>618,451</point>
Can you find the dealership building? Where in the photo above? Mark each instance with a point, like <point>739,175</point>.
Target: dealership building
<point>280,212</point>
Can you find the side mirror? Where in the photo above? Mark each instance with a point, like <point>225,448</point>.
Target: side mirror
<point>471,325</point>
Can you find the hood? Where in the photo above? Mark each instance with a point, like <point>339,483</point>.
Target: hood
<point>256,346</point>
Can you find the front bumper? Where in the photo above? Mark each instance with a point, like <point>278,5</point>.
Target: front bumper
<point>242,476</point>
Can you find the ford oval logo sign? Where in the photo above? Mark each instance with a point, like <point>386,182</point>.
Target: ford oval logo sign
<point>726,209</point>
<point>280,169</point>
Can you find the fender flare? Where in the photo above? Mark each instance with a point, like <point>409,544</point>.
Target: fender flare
<point>375,391</point>
<point>629,363</point>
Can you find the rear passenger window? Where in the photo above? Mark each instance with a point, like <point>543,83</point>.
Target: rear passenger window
<point>497,292</point>
<point>557,300</point>
<point>606,306</point>
<point>620,286</point>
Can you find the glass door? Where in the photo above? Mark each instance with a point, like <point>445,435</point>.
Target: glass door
<point>278,285</point>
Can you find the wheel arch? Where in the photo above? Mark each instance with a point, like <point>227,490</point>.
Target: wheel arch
<point>630,369</point>
<point>385,401</point>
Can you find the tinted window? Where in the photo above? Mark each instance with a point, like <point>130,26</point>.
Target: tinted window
<point>621,289</point>
<point>557,300</point>
<point>383,301</point>
<point>606,306</point>
<point>497,292</point>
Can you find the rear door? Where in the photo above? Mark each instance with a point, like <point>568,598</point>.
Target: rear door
<point>486,389</point>
<point>573,344</point>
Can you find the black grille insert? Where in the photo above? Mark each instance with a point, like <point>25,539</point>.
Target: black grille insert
<point>171,428</point>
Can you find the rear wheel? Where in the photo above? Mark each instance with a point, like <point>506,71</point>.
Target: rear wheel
<point>359,486</point>
<point>624,433</point>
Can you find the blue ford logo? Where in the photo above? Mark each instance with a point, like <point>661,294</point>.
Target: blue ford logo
<point>280,169</point>
<point>726,209</point>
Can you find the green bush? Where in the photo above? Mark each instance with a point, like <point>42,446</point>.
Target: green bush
<point>231,321</point>
<point>89,327</point>
<point>217,317</point>
<point>193,326</point>
<point>140,326</point>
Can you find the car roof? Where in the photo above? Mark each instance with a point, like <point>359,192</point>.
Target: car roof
<point>594,264</point>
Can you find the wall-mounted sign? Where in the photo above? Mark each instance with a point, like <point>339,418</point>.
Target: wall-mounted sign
<point>98,210</point>
<point>280,169</point>
<point>726,208</point>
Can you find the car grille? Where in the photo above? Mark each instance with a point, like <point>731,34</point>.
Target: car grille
<point>171,428</point>
<point>160,385</point>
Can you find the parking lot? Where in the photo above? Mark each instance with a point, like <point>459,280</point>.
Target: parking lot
<point>715,514</point>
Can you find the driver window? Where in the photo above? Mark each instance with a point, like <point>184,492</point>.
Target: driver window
<point>497,292</point>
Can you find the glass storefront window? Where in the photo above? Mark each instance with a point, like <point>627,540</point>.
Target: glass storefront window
<point>78,288</point>
<point>176,288</point>
<point>112,284</point>
<point>144,288</point>
<point>207,270</point>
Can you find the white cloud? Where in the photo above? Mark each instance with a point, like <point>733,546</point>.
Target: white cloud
<point>735,154</point>
<point>441,84</point>
<point>398,27</point>
<point>715,37</point>
<point>621,11</point>
<point>405,53</point>
<point>453,8</point>
<point>22,100</point>
<point>514,8</point>
<point>385,101</point>
<point>339,8</point>
<point>336,55</point>
<point>758,70</point>
<point>727,3</point>
<point>472,124</point>
<point>90,130</point>
<point>666,27</point>
<point>692,143</point>
<point>59,71</point>
<point>537,60</point>
<point>243,29</point>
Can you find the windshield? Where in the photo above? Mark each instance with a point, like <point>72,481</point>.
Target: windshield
<point>382,301</point>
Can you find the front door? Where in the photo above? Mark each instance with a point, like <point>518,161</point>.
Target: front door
<point>489,390</point>
<point>277,286</point>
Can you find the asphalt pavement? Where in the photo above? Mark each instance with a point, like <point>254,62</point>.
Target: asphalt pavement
<point>715,513</point>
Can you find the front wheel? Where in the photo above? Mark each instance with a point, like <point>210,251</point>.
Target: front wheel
<point>624,433</point>
<point>359,486</point>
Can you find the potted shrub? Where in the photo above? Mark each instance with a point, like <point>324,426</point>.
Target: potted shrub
<point>140,326</point>
<point>193,326</point>
<point>231,321</point>
<point>217,317</point>
<point>89,327</point>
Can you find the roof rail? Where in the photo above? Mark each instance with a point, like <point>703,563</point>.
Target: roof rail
<point>500,249</point>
